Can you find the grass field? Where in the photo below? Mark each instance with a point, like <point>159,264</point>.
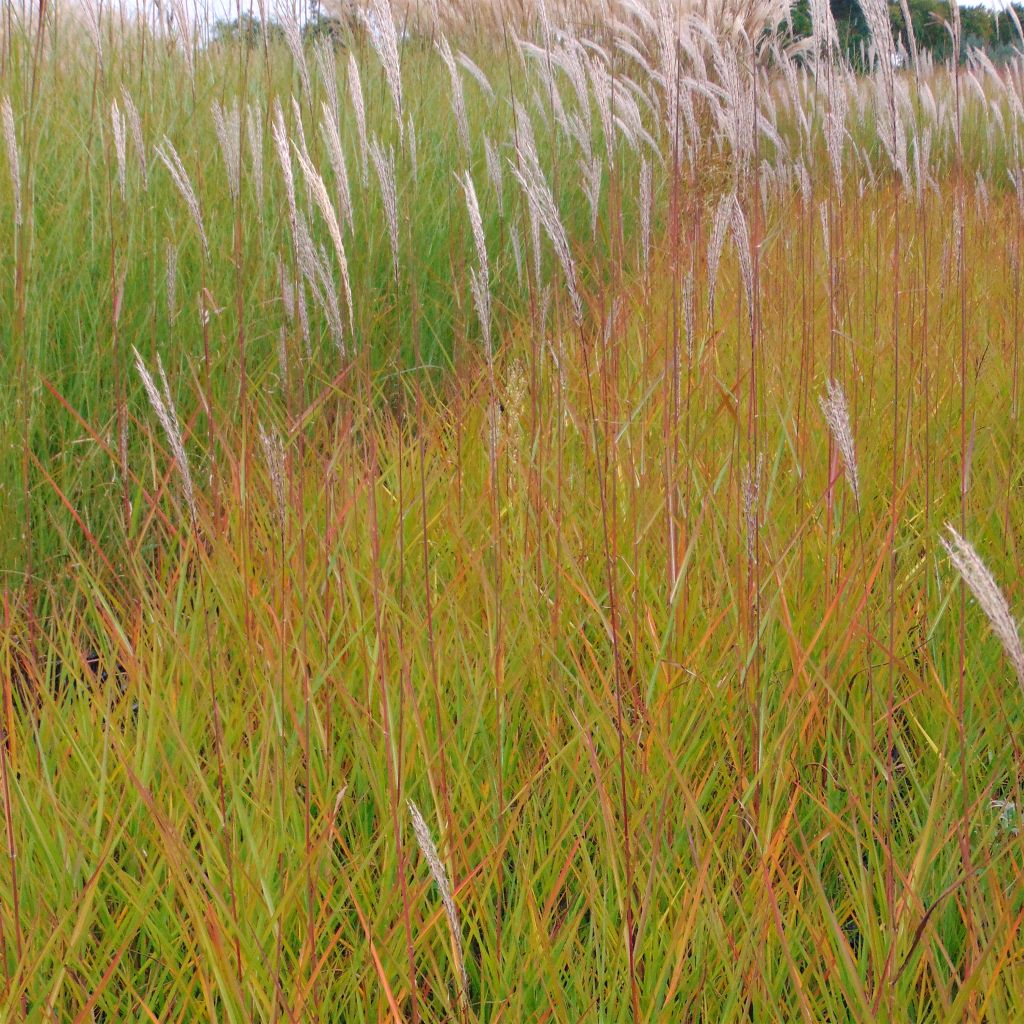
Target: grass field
<point>477,526</point>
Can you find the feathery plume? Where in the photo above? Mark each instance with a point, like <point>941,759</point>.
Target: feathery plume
<point>477,73</point>
<point>228,126</point>
<point>293,37</point>
<point>645,212</point>
<point>384,164</point>
<point>876,14</point>
<point>480,277</point>
<point>835,132</point>
<point>300,128</point>
<point>135,126</point>
<point>282,357</point>
<point>741,239</point>
<point>837,416</point>
<point>273,454</point>
<point>293,297</point>
<point>313,263</point>
<point>723,214</point>
<point>591,177</point>
<point>166,413</point>
<point>336,156</point>
<point>120,148</point>
<point>169,155</point>
<point>494,171</point>
<point>544,207</point>
<point>325,64</point>
<point>517,253</point>
<point>458,97</point>
<point>535,244</point>
<point>171,251</point>
<point>13,159</point>
<point>316,186</point>
<point>824,36</point>
<point>355,91</point>
<point>95,29</point>
<point>183,29</point>
<point>381,25</point>
<point>437,870</point>
<point>983,586</point>
<point>284,156</point>
<point>254,128</point>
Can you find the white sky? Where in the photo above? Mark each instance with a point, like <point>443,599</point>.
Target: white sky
<point>208,11</point>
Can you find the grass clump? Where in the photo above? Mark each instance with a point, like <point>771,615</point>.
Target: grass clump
<point>431,590</point>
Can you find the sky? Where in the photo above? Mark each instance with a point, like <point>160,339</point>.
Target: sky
<point>207,12</point>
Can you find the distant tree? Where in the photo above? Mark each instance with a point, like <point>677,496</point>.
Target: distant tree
<point>247,30</point>
<point>981,28</point>
<point>325,26</point>
<point>850,24</point>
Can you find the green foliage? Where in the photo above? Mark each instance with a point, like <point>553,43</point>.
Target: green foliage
<point>992,32</point>
<point>247,30</point>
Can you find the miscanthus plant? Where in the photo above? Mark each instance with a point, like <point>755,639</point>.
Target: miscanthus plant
<point>474,497</point>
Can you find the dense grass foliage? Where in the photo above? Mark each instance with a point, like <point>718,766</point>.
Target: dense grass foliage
<point>513,597</point>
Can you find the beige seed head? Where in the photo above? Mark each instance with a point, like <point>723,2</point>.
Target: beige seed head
<point>983,586</point>
<point>336,156</point>
<point>723,214</point>
<point>13,159</point>
<point>171,251</point>
<point>273,454</point>
<point>741,239</point>
<point>837,416</point>
<point>384,164</point>
<point>545,210</point>
<point>318,190</point>
<point>477,73</point>
<point>355,90</point>
<point>163,405</point>
<point>327,68</point>
<point>480,281</point>
<point>458,97</point>
<point>169,155</point>
<point>227,124</point>
<point>494,171</point>
<point>437,870</point>
<point>381,25</point>
<point>293,37</point>
<point>645,212</point>
<point>254,129</point>
<point>135,126</point>
<point>120,128</point>
<point>284,156</point>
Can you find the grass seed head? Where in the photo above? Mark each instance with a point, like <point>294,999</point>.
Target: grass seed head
<point>380,23</point>
<point>837,416</point>
<point>120,148</point>
<point>274,456</point>
<point>169,155</point>
<point>437,870</point>
<point>986,591</point>
<point>384,165</point>
<point>355,92</point>
<point>254,129</point>
<point>135,126</point>
<point>171,260</point>
<point>166,412</point>
<point>227,125</point>
<point>13,159</point>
